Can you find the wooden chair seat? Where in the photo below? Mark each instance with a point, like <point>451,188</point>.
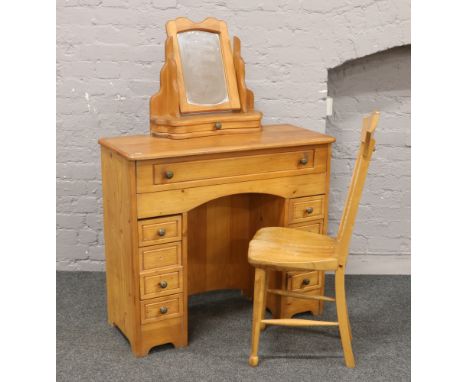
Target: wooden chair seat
<point>292,249</point>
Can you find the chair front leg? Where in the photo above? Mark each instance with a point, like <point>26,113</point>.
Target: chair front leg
<point>258,312</point>
<point>343,319</point>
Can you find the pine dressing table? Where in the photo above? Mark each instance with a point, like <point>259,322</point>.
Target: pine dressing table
<point>181,205</point>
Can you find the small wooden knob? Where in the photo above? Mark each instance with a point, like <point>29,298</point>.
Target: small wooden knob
<point>161,231</point>
<point>304,160</point>
<point>169,174</point>
<point>163,309</point>
<point>163,284</point>
<point>309,210</point>
<point>218,125</point>
<point>306,282</point>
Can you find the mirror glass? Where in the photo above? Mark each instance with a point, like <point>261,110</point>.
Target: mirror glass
<point>202,68</point>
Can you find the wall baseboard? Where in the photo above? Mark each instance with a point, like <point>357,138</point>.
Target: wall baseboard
<point>379,265</point>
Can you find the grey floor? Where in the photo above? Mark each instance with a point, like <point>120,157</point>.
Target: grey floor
<point>88,349</point>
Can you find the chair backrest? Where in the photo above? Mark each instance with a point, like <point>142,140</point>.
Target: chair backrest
<point>356,186</point>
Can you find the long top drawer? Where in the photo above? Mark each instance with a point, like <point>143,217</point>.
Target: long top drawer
<point>171,174</point>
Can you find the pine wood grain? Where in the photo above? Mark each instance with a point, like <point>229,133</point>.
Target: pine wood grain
<point>218,236</point>
<point>183,200</point>
<point>143,147</point>
<point>118,184</point>
<point>160,256</point>
<point>210,24</point>
<point>289,249</point>
<point>208,220</point>
<point>173,116</point>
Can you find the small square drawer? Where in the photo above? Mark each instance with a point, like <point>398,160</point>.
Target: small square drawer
<point>161,308</point>
<point>307,208</point>
<point>303,281</point>
<point>159,230</point>
<point>160,284</point>
<point>315,226</point>
<point>160,256</point>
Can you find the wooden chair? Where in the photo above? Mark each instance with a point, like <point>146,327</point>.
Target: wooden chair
<point>288,249</point>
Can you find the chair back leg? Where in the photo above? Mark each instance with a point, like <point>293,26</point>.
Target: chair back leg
<point>343,319</point>
<point>349,329</point>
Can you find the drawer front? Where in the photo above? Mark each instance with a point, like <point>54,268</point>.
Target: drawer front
<point>161,308</point>
<point>155,285</point>
<point>315,226</point>
<point>160,230</point>
<point>307,208</point>
<point>294,306</point>
<point>160,256</point>
<point>304,281</point>
<point>152,175</point>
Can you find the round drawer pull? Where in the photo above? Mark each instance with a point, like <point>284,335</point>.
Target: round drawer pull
<point>305,282</point>
<point>163,309</point>
<point>163,284</point>
<point>161,231</point>
<point>169,174</point>
<point>218,125</point>
<point>309,210</point>
<point>304,160</point>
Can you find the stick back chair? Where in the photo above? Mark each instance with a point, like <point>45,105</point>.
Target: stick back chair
<point>288,249</point>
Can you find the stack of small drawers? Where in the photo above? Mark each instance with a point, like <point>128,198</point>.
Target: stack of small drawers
<point>161,268</point>
<point>307,214</point>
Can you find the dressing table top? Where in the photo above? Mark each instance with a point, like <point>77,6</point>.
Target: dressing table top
<point>145,147</point>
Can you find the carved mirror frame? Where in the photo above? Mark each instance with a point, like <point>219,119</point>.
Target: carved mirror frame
<point>212,25</point>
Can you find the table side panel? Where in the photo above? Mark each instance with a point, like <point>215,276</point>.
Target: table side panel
<point>118,186</point>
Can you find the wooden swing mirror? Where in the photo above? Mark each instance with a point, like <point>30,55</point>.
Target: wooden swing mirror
<point>202,84</point>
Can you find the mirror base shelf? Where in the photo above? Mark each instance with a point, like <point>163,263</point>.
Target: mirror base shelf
<point>206,124</point>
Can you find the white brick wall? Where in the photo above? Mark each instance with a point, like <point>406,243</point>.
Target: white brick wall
<point>109,53</point>
<point>382,82</point>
